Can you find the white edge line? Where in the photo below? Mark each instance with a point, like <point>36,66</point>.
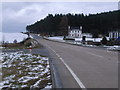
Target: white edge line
<point>70,70</point>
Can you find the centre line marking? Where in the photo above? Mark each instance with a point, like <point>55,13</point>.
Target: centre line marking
<point>70,70</point>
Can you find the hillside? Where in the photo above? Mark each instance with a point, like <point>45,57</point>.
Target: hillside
<point>99,23</point>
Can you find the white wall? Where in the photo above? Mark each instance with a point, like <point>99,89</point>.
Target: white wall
<point>114,34</point>
<point>75,33</point>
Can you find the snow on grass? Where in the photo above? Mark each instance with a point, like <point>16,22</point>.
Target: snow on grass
<point>91,39</point>
<point>56,38</point>
<point>60,38</point>
<point>1,47</point>
<point>20,70</point>
<point>10,37</point>
<point>114,47</point>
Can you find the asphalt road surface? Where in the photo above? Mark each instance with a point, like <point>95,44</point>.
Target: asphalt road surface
<point>83,67</point>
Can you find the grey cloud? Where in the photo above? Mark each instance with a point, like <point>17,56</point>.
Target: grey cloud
<point>16,15</point>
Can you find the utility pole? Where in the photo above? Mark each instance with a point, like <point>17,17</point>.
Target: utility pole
<point>3,39</point>
<point>119,5</point>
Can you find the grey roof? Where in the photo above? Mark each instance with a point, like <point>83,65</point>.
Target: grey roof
<point>74,27</point>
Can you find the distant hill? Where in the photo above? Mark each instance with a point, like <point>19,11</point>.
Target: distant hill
<point>99,23</point>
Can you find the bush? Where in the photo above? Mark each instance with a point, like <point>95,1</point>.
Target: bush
<point>71,39</point>
<point>104,41</point>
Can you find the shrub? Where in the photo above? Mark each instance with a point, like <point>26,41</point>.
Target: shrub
<point>72,39</point>
<point>104,41</point>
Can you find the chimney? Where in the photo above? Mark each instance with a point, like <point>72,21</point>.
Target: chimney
<point>68,27</point>
<point>80,27</point>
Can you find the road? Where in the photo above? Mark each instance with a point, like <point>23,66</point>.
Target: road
<point>83,67</point>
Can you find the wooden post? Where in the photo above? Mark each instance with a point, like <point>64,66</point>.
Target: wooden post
<point>30,49</point>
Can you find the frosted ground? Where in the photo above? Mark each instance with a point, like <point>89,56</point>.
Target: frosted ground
<point>78,41</point>
<point>10,37</point>
<point>60,38</point>
<point>20,70</point>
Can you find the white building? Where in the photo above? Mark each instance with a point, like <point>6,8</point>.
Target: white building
<point>114,34</point>
<point>76,32</point>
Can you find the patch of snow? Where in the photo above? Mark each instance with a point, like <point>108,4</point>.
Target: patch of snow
<point>60,38</point>
<point>10,37</point>
<point>26,79</point>
<point>115,47</point>
<point>28,66</point>
<point>56,38</point>
<point>23,86</point>
<point>1,47</point>
<point>9,77</point>
<point>48,86</point>
<point>89,45</point>
<point>36,84</point>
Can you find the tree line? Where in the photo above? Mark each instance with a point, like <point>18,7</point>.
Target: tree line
<point>100,23</point>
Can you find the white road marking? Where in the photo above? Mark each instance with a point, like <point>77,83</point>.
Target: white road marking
<point>70,70</point>
<point>94,54</point>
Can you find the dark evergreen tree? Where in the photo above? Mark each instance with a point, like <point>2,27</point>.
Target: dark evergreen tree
<point>63,26</point>
<point>96,24</point>
<point>104,41</point>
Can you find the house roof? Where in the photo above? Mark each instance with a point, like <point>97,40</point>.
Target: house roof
<point>114,31</point>
<point>74,27</point>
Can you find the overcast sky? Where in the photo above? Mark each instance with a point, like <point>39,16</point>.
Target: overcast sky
<point>16,16</point>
